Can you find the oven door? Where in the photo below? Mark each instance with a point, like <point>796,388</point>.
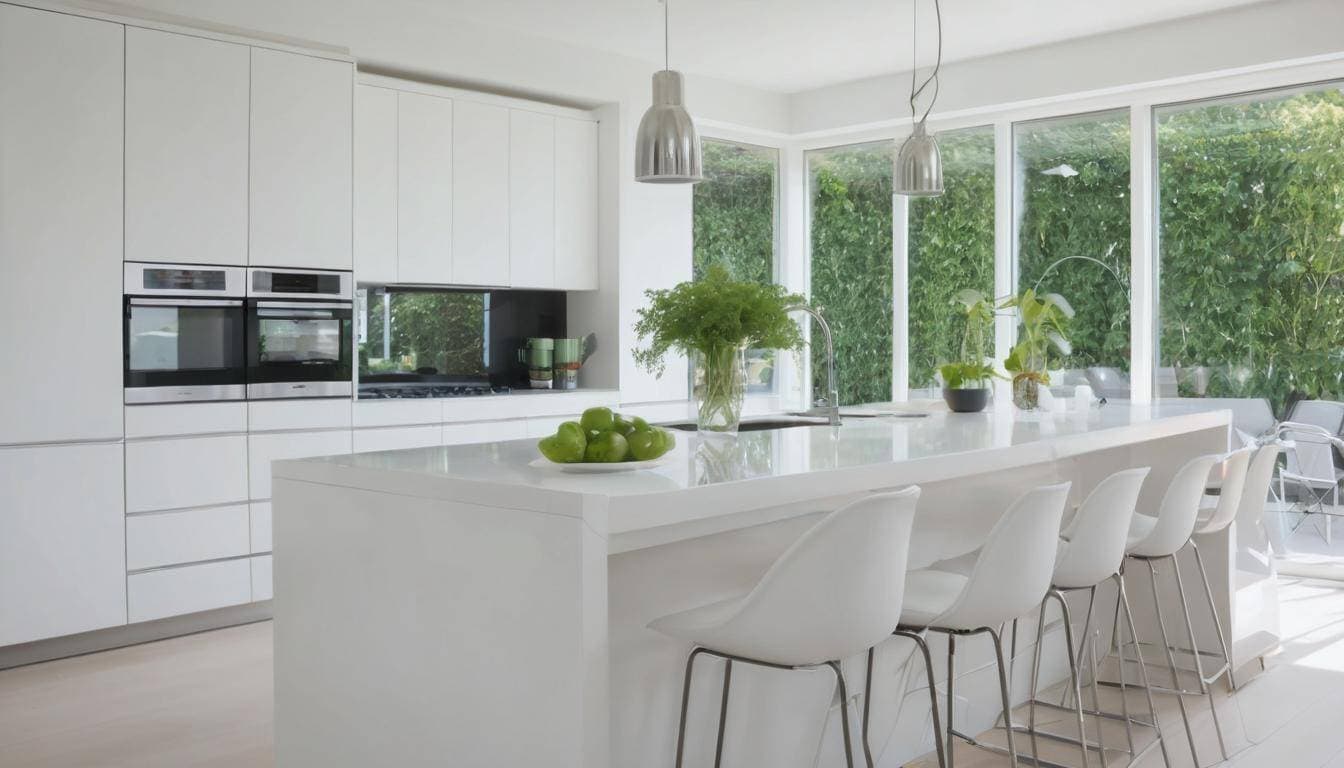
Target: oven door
<point>183,350</point>
<point>299,349</point>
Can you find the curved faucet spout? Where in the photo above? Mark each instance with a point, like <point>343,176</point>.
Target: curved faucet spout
<point>831,402</point>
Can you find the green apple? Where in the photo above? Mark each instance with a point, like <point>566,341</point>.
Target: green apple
<point>646,445</point>
<point>623,425</point>
<point>609,446</point>
<point>597,420</point>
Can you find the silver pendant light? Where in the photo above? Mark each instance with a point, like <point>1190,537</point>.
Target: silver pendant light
<point>919,164</point>
<point>667,147</point>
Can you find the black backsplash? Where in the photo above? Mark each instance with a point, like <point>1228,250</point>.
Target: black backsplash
<point>516,316</point>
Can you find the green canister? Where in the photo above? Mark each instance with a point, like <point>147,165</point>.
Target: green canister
<point>568,360</point>
<point>538,355</point>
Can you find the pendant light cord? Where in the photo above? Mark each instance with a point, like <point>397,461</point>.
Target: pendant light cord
<point>667,56</point>
<point>916,92</point>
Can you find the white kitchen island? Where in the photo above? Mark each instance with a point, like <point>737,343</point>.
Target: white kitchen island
<point>456,606</point>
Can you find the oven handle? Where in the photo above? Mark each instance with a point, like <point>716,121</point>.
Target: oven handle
<point>136,302</point>
<point>303,305</point>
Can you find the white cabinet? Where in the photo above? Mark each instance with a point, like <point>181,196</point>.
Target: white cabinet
<point>301,158</point>
<point>188,589</point>
<point>576,209</point>
<point>261,578</point>
<point>262,449</point>
<point>480,194</point>
<point>484,432</point>
<point>375,184</point>
<point>186,148</point>
<point>531,199</point>
<point>177,473</point>
<point>60,227</point>
<point>396,438</point>
<point>261,526</point>
<point>187,536</point>
<point>424,189</point>
<point>62,529</point>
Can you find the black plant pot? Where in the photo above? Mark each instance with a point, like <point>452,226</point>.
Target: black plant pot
<point>966,400</point>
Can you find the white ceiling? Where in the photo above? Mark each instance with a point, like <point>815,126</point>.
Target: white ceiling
<point>793,45</point>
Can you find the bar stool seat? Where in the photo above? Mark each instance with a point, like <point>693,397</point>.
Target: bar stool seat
<point>1140,528</point>
<point>929,594</point>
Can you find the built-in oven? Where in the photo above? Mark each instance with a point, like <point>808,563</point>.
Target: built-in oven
<point>183,333</point>
<point>299,333</point>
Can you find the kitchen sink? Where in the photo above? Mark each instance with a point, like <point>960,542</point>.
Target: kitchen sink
<point>756,425</point>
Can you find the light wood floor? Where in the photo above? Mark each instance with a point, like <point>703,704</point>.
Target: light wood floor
<point>206,700</point>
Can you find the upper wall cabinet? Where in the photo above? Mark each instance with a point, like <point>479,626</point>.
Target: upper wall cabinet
<point>480,194</point>
<point>186,148</point>
<point>300,169</point>
<point>531,199</point>
<point>424,189</point>
<point>375,184</point>
<point>60,226</point>
<point>576,205</point>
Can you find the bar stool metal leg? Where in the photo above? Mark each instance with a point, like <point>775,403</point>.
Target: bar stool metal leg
<point>951,697</point>
<point>933,696</point>
<point>723,712</point>
<point>1213,611</point>
<point>685,703</point>
<point>1171,661</point>
<point>1073,672</point>
<point>844,710</point>
<point>1194,652</point>
<point>1143,670</point>
<point>1003,692</point>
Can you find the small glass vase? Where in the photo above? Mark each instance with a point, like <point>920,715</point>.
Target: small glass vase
<point>1027,392</point>
<point>720,386</point>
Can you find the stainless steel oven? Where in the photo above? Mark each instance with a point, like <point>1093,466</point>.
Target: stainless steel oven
<point>299,333</point>
<point>183,332</point>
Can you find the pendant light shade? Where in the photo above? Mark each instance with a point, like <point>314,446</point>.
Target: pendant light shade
<point>919,165</point>
<point>667,146</point>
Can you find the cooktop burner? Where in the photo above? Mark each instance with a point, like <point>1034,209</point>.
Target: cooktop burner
<point>378,391</point>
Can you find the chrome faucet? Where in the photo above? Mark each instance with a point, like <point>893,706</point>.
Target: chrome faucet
<point>830,404</point>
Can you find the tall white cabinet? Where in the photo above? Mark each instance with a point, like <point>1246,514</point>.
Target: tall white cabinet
<point>424,153</point>
<point>60,227</point>
<point>532,199</point>
<point>576,209</point>
<point>376,183</point>
<point>301,161</point>
<point>480,194</point>
<point>186,148</point>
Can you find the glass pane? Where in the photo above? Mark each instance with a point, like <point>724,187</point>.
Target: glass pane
<point>439,332</point>
<point>1072,206</point>
<point>180,338</point>
<point>951,248</point>
<point>1251,249</point>
<point>850,192</point>
<point>285,340</point>
<point>733,225</point>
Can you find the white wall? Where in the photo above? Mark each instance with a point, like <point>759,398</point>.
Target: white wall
<point>1241,37</point>
<point>652,232</point>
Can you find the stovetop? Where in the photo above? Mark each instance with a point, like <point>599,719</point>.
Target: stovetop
<point>379,391</point>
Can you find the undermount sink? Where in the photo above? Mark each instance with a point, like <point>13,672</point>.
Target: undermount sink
<point>756,425</point>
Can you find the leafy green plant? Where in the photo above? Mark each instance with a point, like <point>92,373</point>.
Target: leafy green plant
<point>967,375</point>
<point>711,313</point>
<point>971,370</point>
<point>1043,327</point>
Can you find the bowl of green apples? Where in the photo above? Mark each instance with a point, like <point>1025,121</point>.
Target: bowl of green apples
<point>604,441</point>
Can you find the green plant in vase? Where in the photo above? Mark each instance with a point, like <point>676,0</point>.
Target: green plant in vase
<point>1043,327</point>
<point>715,320</point>
<point>966,381</point>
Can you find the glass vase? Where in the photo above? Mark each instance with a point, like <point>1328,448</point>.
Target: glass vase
<point>1026,392</point>
<point>720,386</point>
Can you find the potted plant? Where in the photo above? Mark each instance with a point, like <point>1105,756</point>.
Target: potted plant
<point>715,320</point>
<point>1043,325</point>
<point>966,381</point>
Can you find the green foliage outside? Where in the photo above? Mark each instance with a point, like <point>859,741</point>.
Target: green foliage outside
<point>1061,214</point>
<point>734,220</point>
<point>1252,247</point>
<point>951,248</point>
<point>851,193</point>
<point>439,330</point>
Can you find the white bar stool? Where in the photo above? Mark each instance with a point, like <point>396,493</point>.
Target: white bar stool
<point>1152,539</point>
<point>1092,551</point>
<point>1010,578</point>
<point>833,594</point>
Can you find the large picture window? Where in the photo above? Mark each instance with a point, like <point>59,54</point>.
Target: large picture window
<point>1072,203</point>
<point>734,225</point>
<point>951,247</point>
<point>850,194</point>
<point>1251,246</point>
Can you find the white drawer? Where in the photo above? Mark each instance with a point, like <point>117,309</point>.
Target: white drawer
<point>523,404</point>
<point>189,536</point>
<point>275,415</point>
<point>261,526</point>
<point>541,426</point>
<point>394,438</point>
<point>191,588</point>
<point>177,473</point>
<point>171,419</point>
<point>483,432</point>
<point>261,578</point>
<point>397,413</point>
<point>265,448</point>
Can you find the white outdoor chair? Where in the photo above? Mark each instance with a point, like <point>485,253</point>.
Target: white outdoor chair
<point>1311,469</point>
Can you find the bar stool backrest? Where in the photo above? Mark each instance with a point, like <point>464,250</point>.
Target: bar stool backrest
<point>1179,509</point>
<point>837,590</point>
<point>1235,467</point>
<point>1014,568</point>
<point>1099,532</point>
<point>1254,493</point>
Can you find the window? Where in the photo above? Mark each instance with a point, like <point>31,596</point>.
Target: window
<point>951,247</point>
<point>1073,216</point>
<point>734,218</point>
<point>429,332</point>
<point>1251,246</point>
<point>849,191</point>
